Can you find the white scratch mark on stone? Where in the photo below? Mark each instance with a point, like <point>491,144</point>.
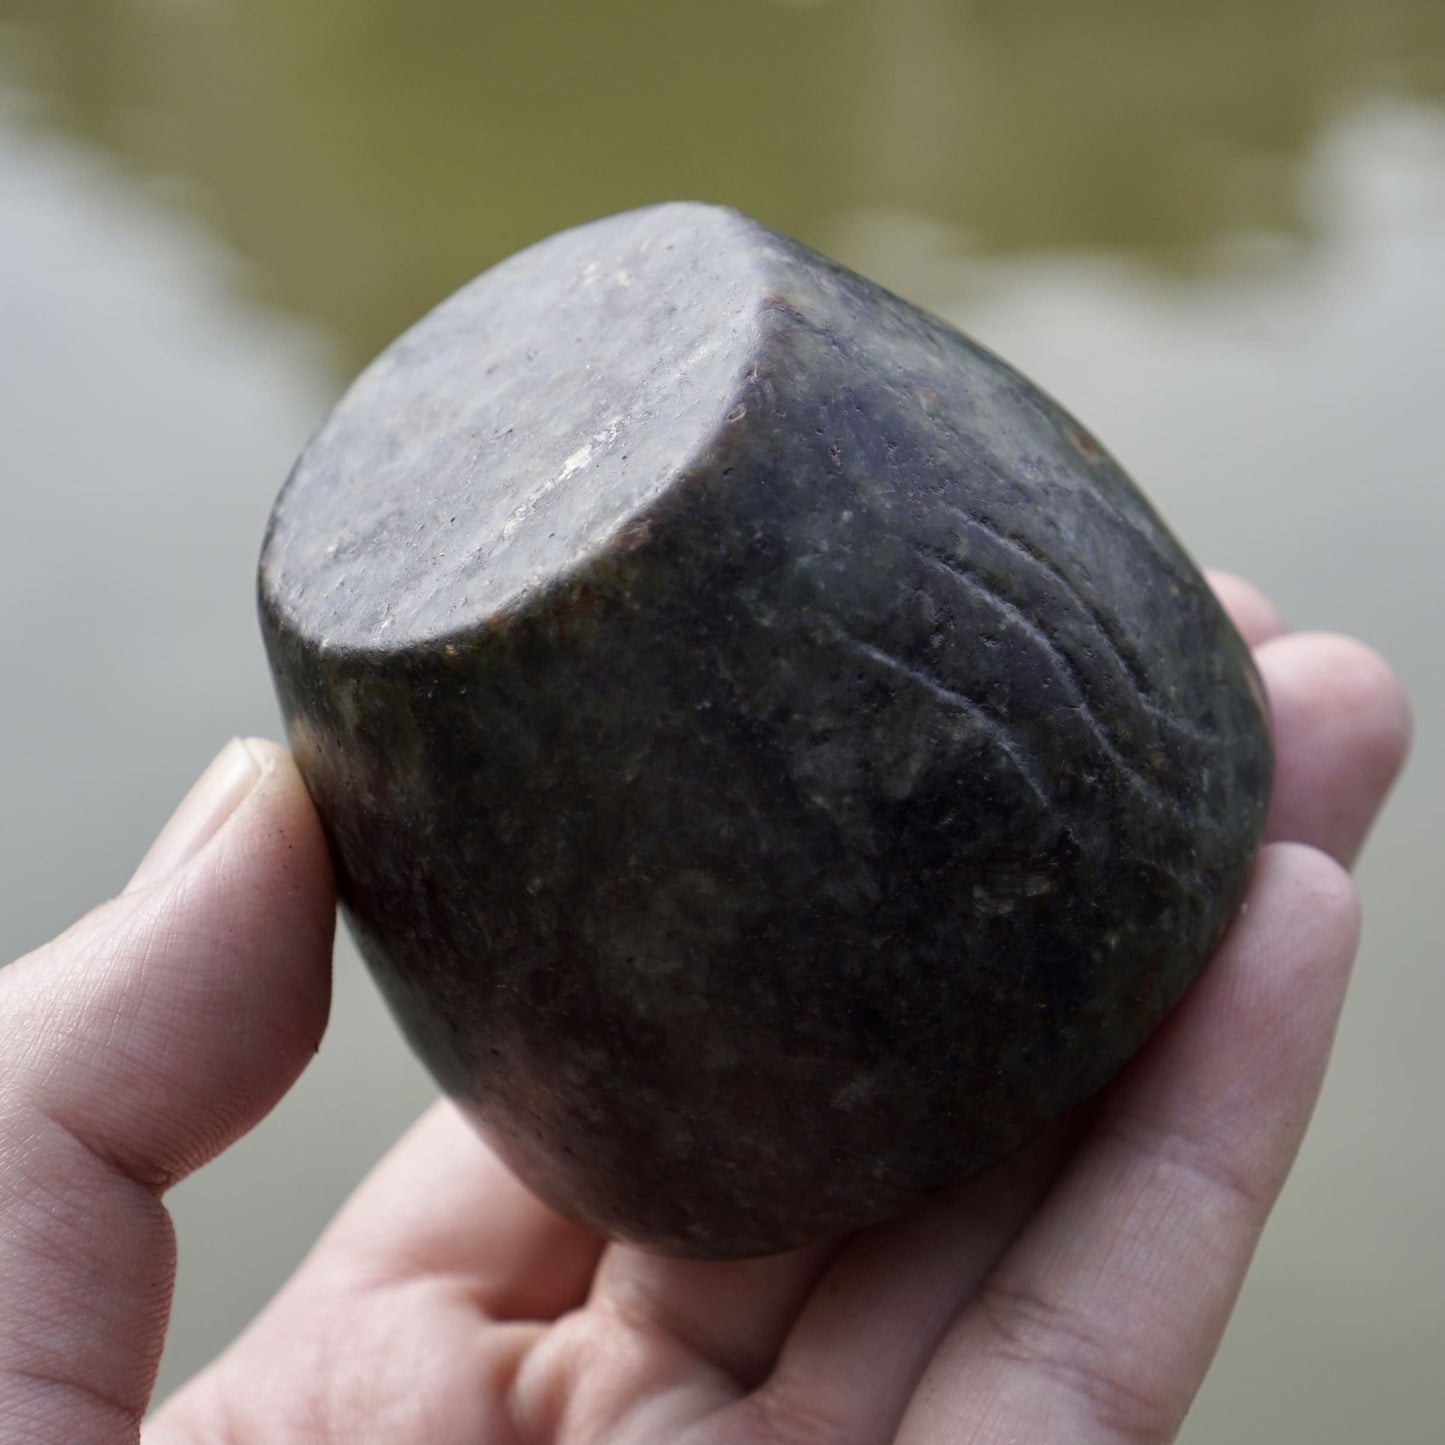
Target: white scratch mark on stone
<point>575,462</point>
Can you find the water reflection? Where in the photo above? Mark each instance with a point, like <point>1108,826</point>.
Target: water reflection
<point>366,158</point>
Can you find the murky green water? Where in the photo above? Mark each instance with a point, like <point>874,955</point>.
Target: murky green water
<point>365,157</point>
<point>1217,232</point>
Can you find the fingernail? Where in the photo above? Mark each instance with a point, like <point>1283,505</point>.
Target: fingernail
<point>219,791</point>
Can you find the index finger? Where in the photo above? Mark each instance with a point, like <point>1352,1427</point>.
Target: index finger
<point>1257,618</point>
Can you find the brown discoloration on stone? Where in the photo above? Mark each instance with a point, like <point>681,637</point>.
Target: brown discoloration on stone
<point>774,766</point>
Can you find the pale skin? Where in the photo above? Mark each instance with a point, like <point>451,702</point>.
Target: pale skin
<point>1076,1293</point>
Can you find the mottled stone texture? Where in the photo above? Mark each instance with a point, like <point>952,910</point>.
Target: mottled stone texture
<point>775,760</point>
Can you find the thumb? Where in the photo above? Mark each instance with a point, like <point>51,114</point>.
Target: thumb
<point>137,1046</point>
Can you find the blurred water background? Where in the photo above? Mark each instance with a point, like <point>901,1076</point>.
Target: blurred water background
<point>1216,232</point>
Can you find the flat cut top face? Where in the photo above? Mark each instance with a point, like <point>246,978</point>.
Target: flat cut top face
<point>515,428</point>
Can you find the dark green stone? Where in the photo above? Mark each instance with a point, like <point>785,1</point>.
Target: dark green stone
<point>775,760</point>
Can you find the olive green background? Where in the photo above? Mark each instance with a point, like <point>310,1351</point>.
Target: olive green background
<point>1215,231</point>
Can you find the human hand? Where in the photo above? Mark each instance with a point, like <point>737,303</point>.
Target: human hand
<point>1075,1293</point>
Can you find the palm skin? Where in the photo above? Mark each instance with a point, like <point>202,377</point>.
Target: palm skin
<point>1075,1293</point>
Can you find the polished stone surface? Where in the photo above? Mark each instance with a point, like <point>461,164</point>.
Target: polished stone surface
<point>775,760</point>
